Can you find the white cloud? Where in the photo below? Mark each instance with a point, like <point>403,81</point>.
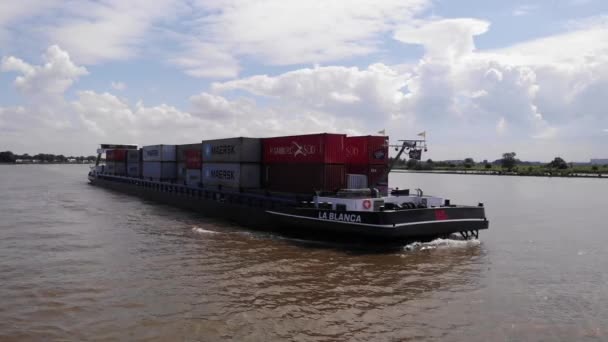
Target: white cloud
<point>443,38</point>
<point>120,86</point>
<point>276,32</point>
<point>523,10</point>
<point>51,79</point>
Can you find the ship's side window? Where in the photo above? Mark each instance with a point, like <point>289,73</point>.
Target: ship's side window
<point>340,207</point>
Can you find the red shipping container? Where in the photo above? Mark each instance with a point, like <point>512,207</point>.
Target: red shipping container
<point>193,159</point>
<point>375,173</point>
<point>367,149</point>
<point>305,149</point>
<point>116,155</point>
<point>304,178</point>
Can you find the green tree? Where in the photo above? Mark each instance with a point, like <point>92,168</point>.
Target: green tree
<point>469,163</point>
<point>508,160</point>
<point>411,164</point>
<point>558,163</point>
<point>7,157</point>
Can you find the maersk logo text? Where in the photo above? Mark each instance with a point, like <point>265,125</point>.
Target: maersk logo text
<point>329,216</point>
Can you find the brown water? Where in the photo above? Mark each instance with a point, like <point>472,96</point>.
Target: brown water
<point>79,262</point>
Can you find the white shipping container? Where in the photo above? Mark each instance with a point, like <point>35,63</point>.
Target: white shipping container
<point>233,175</point>
<point>159,153</point>
<point>134,169</point>
<point>159,170</point>
<point>355,181</point>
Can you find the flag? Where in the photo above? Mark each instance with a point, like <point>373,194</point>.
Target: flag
<point>382,132</point>
<point>422,134</point>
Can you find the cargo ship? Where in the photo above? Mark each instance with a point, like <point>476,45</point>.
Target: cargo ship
<point>319,185</point>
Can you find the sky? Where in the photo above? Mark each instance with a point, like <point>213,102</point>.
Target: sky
<point>480,77</point>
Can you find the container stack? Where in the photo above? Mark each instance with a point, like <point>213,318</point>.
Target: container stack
<point>232,163</point>
<point>116,162</point>
<point>368,155</point>
<point>304,163</point>
<point>134,163</point>
<point>189,164</point>
<point>159,162</point>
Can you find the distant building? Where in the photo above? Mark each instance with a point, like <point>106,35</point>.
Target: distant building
<point>603,161</point>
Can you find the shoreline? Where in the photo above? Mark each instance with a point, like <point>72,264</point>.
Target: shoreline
<point>500,173</point>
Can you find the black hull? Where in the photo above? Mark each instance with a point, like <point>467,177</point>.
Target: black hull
<point>284,217</point>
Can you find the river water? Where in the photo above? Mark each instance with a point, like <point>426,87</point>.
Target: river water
<point>78,262</point>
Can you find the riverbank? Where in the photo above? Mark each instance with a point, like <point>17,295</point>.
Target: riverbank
<point>599,174</point>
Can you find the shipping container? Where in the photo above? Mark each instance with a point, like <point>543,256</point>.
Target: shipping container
<point>376,174</point>
<point>304,178</point>
<point>305,149</point>
<point>181,172</point>
<point>116,155</point>
<point>164,153</point>
<point>193,177</point>
<point>232,175</point>
<point>367,149</point>
<point>134,169</point>
<point>182,151</point>
<point>109,169</point>
<point>116,168</point>
<point>194,159</point>
<point>133,156</point>
<point>159,170</point>
<point>232,150</point>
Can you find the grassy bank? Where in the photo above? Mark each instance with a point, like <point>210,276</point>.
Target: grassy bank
<point>520,170</point>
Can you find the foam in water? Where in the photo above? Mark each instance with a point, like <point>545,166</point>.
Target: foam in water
<point>199,230</point>
<point>440,244</point>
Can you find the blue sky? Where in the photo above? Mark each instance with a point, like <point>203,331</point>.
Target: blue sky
<point>482,77</point>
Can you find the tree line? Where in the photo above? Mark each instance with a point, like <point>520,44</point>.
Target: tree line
<point>10,157</point>
<point>509,162</point>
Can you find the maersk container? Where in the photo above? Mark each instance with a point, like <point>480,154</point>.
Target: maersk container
<point>376,174</point>
<point>155,170</point>
<point>184,150</point>
<point>159,153</point>
<point>232,150</point>
<point>134,169</point>
<point>367,149</point>
<point>133,156</point>
<point>232,175</point>
<point>305,149</point>
<point>304,178</point>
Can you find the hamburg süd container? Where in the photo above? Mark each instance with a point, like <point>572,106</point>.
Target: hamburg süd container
<point>159,153</point>
<point>134,169</point>
<point>156,170</point>
<point>304,178</point>
<point>194,159</point>
<point>232,150</point>
<point>305,149</point>
<point>183,150</point>
<point>116,155</point>
<point>367,149</point>
<point>232,175</point>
